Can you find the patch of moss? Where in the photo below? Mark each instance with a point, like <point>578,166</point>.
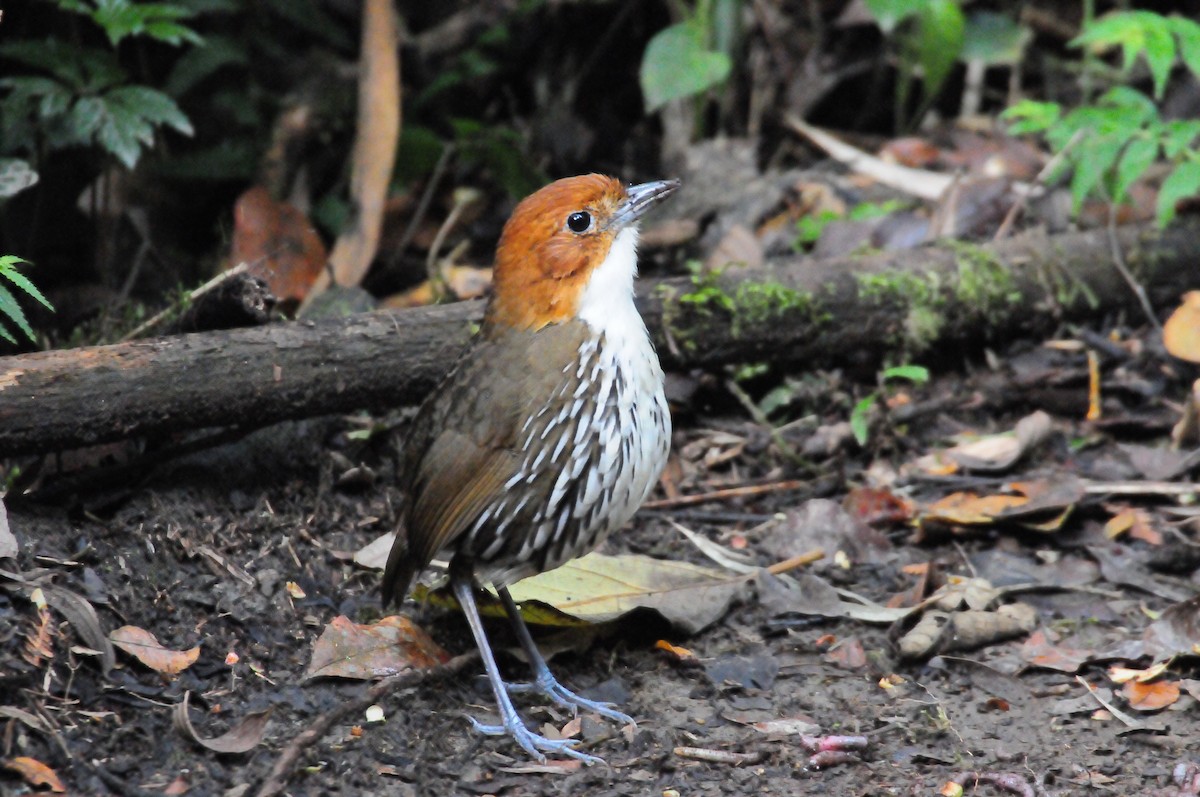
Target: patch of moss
<point>983,284</point>
<point>918,296</point>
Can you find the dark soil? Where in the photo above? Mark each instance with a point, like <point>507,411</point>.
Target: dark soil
<point>201,554</point>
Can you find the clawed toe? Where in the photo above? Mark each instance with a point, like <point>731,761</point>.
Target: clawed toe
<point>535,744</point>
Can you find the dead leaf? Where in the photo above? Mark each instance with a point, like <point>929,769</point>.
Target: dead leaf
<point>787,727</point>
<point>1150,696</point>
<point>877,507</point>
<point>1181,332</point>
<point>1176,631</point>
<point>241,738</point>
<point>1134,521</point>
<point>142,645</point>
<point>390,646</point>
<point>997,453</point>
<point>375,553</point>
<point>278,244</point>
<point>35,773</point>
<point>1040,651</point>
<point>680,654</point>
<point>598,588</point>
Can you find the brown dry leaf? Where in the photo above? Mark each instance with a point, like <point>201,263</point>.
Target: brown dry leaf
<point>1040,651</point>
<point>1134,521</point>
<point>465,282</point>
<point>1150,696</point>
<point>1176,631</point>
<point>1187,431</point>
<point>278,244</point>
<point>1000,452</point>
<point>35,773</point>
<point>1181,333</point>
<point>241,738</point>
<point>348,650</point>
<point>738,247</point>
<point>143,646</point>
<point>875,506</point>
<point>969,509</point>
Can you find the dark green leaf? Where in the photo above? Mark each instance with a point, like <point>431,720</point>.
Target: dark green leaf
<point>10,273</point>
<point>1028,116</point>
<point>677,63</point>
<point>917,374</point>
<point>199,63</point>
<point>10,308</point>
<point>1187,31</point>
<point>1094,157</point>
<point>1180,184</point>
<point>1177,137</point>
<point>889,14</point>
<point>940,40</point>
<point>1135,160</point>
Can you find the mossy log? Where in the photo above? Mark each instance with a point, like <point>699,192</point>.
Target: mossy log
<point>860,309</point>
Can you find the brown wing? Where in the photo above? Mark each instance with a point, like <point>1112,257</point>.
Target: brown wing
<point>462,446</point>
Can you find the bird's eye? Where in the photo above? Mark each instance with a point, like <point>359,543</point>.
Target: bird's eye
<point>579,221</point>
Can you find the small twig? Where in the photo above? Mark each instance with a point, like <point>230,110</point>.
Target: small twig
<point>800,560</point>
<point>720,756</point>
<point>760,418</point>
<point>212,284</point>
<point>463,199</point>
<point>1023,197</point>
<point>1118,258</point>
<point>727,493</point>
<point>284,765</point>
<point>410,232</point>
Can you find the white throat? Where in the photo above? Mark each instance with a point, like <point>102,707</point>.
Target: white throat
<point>607,302</point>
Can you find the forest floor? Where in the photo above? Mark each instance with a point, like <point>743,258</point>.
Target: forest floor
<point>246,550</point>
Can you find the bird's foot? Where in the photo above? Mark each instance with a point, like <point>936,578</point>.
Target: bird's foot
<point>549,686</point>
<point>534,743</point>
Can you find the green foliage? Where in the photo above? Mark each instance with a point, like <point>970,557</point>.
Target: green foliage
<point>688,58</point>
<point>123,18</point>
<point>81,96</point>
<point>8,302</point>
<point>1148,35</point>
<point>1107,145</point>
<point>860,415</point>
<point>809,228</point>
<point>930,35</point>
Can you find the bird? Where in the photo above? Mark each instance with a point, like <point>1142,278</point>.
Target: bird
<point>550,430</point>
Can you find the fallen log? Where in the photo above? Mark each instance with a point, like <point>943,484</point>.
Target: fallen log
<point>885,305</point>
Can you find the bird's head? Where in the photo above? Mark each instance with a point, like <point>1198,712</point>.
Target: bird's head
<point>569,250</point>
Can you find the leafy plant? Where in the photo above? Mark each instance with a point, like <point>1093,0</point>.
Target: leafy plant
<point>8,302</point>
<point>809,228</point>
<point>1107,145</point>
<point>930,36</point>
<point>81,96</point>
<point>690,57</point>
<point>860,415</point>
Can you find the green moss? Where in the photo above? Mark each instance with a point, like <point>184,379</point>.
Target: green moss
<point>751,304</point>
<point>918,296</point>
<point>984,285</point>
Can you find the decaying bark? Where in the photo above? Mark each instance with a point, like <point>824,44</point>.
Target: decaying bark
<point>797,311</point>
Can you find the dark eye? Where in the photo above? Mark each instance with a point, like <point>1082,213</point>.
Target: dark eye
<point>579,221</point>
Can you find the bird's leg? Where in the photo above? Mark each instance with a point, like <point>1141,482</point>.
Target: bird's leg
<point>544,680</point>
<point>534,744</point>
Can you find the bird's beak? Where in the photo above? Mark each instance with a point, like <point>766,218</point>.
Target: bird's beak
<point>640,198</point>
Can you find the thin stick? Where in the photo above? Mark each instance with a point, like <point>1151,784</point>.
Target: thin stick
<point>1118,258</point>
<point>213,283</point>
<point>1023,197</point>
<point>277,780</point>
<point>726,494</point>
<point>800,560</point>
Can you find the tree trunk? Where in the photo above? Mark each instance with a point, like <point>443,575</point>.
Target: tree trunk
<point>865,309</point>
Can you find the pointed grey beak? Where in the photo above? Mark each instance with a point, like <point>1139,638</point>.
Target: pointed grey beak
<point>640,198</point>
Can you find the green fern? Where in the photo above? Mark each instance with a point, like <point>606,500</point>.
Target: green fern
<point>8,302</point>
